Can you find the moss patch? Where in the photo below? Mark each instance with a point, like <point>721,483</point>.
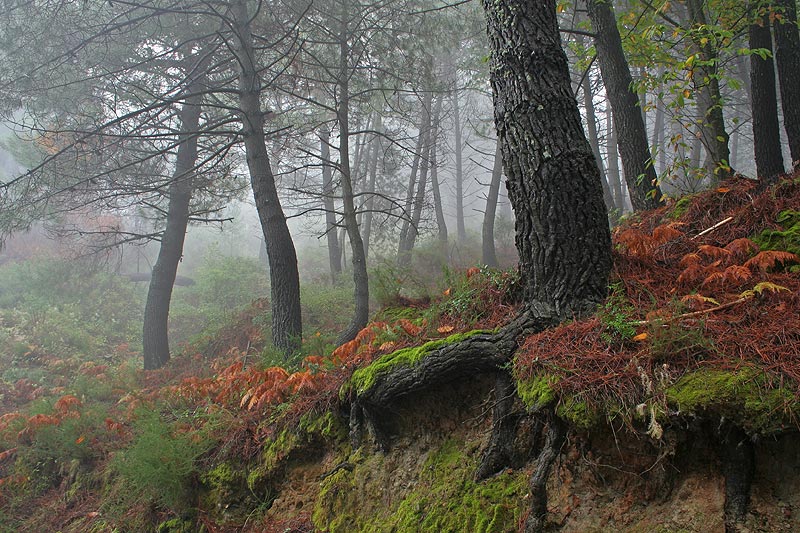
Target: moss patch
<point>743,396</point>
<point>441,496</point>
<point>787,240</point>
<point>537,393</point>
<point>364,378</point>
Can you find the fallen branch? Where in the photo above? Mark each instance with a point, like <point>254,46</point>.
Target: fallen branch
<point>712,228</point>
<point>694,313</point>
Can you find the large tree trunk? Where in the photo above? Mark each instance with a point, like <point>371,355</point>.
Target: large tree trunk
<point>360,276</point>
<point>632,135</point>
<point>787,57</point>
<point>461,231</point>
<point>554,185</point>
<point>328,202</point>
<point>709,101</point>
<point>155,339</point>
<point>488,250</point>
<point>766,131</point>
<point>284,277</point>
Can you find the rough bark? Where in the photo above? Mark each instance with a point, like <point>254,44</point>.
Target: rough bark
<point>488,250</point>
<point>713,133</point>
<point>562,232</point>
<point>360,276</point>
<point>284,277</point>
<point>328,195</point>
<point>766,131</point>
<point>787,58</point>
<point>155,338</point>
<point>632,134</point>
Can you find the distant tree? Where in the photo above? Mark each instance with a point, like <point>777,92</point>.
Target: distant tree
<point>488,249</point>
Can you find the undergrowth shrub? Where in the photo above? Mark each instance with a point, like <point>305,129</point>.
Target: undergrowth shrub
<point>161,463</point>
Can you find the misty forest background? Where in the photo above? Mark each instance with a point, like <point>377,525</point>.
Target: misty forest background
<point>182,183</point>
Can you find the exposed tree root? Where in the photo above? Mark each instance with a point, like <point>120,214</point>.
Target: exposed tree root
<point>482,353</point>
<point>499,453</point>
<point>556,432</point>
<point>738,467</point>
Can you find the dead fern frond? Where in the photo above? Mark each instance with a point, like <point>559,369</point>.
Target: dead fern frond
<point>769,259</point>
<point>742,248</point>
<point>713,252</point>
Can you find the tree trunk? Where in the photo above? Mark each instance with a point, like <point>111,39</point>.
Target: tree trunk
<point>709,101</point>
<point>441,224</point>
<point>409,236</point>
<point>460,226</point>
<point>284,278</point>
<point>614,178</point>
<point>489,252</point>
<point>360,276</point>
<point>594,141</point>
<point>328,202</point>
<point>369,205</point>
<point>787,57</point>
<point>564,245</point>
<point>632,135</point>
<point>766,131</point>
<point>412,183</point>
<point>155,339</point>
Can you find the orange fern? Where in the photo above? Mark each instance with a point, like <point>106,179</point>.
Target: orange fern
<point>769,259</point>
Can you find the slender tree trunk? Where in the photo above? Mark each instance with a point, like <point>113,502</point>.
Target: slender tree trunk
<point>461,231</point>
<point>632,142</point>
<point>441,224</point>
<point>369,204</point>
<point>594,141</point>
<point>787,57</point>
<point>412,182</point>
<point>489,252</point>
<point>409,236</point>
<point>766,131</point>
<point>360,276</point>
<point>284,277</point>
<point>714,135</point>
<point>614,178</point>
<point>328,202</point>
<point>564,245</point>
<point>657,151</point>
<point>155,339</point>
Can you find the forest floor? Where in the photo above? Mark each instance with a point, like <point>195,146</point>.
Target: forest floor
<point>697,345</point>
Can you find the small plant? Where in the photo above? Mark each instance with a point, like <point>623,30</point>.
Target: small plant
<point>616,316</point>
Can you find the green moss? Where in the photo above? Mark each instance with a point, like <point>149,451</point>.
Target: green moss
<point>787,240</point>
<point>578,412</point>
<point>538,392</point>
<point>364,378</point>
<point>742,396</point>
<point>681,206</point>
<point>443,498</point>
<point>176,525</point>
